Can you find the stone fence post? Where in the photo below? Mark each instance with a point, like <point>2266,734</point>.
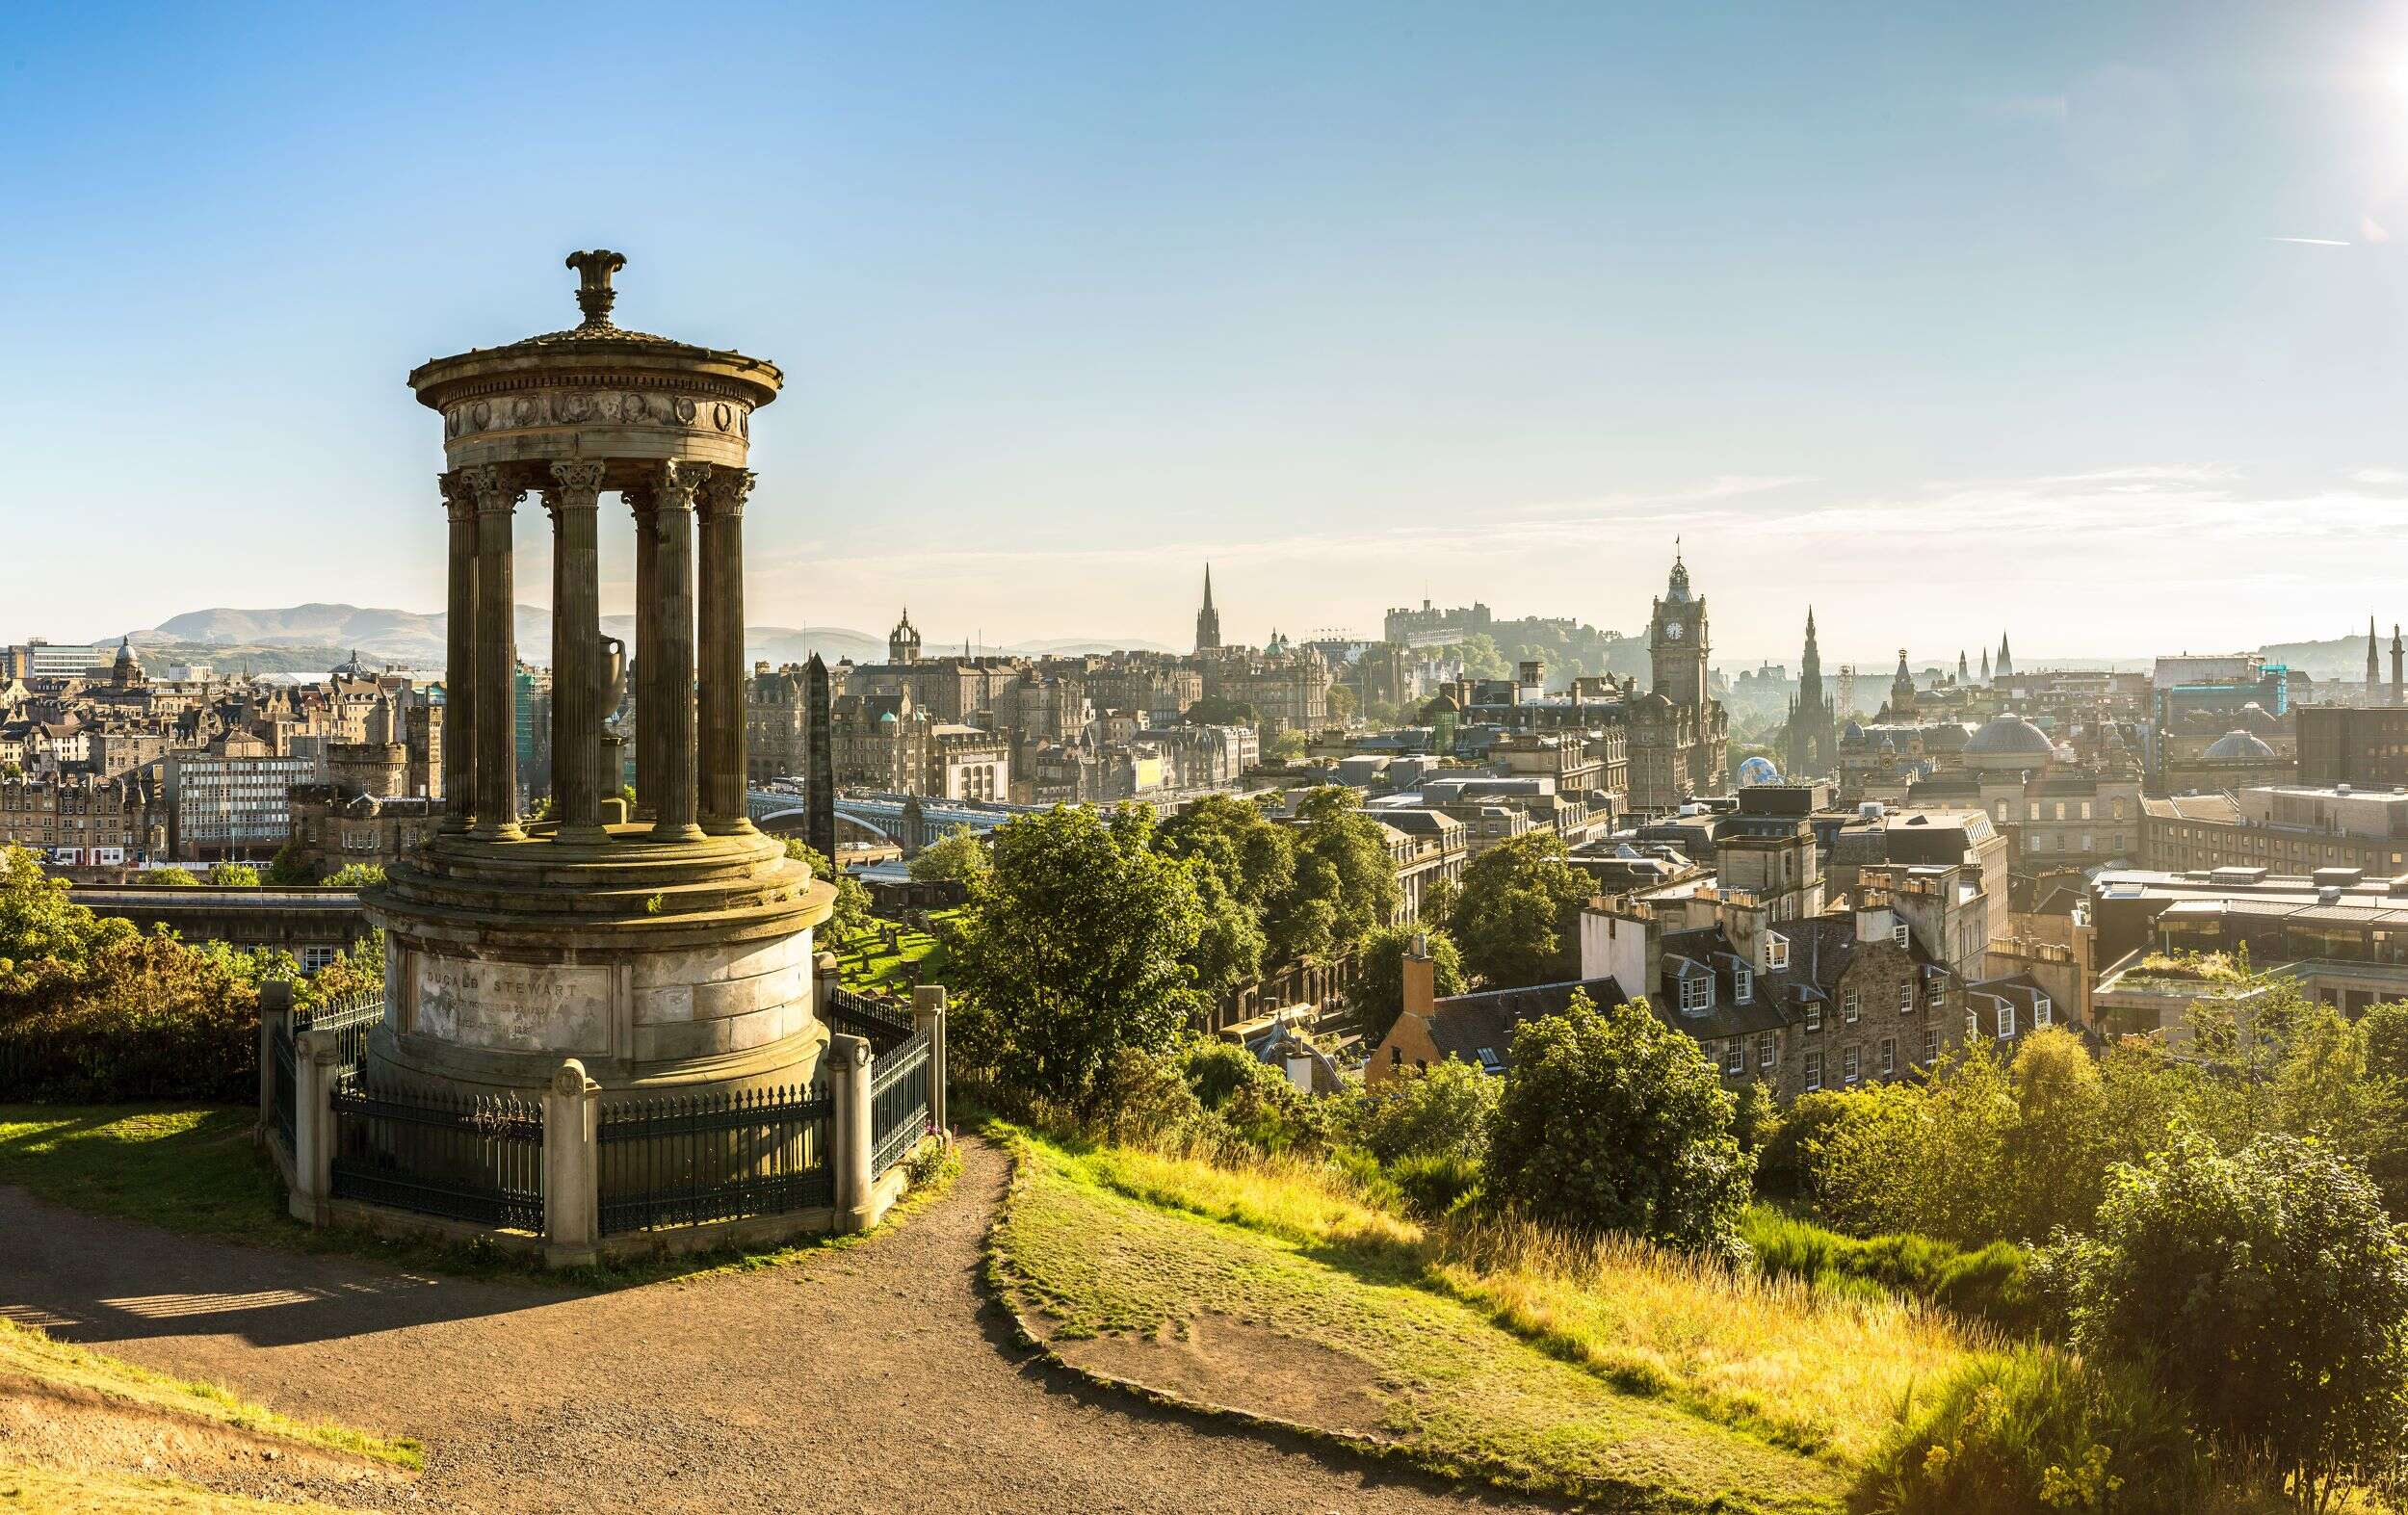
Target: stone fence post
<point>825,971</point>
<point>276,1012</point>
<point>927,1014</point>
<point>571,1167</point>
<point>849,1062</point>
<point>317,1068</point>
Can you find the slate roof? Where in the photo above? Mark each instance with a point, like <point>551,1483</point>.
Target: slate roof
<point>1468,1025</point>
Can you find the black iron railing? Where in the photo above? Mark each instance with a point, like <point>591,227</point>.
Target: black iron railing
<point>280,1079</point>
<point>685,1161</point>
<point>478,1159</point>
<point>885,1024</point>
<point>898,1102</point>
<point>351,1018</point>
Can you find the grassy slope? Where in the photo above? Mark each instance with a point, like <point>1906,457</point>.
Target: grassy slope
<point>31,1354</point>
<point>36,1490</point>
<point>1109,1239</point>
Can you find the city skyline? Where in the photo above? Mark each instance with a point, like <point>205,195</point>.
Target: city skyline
<point>1071,305</point>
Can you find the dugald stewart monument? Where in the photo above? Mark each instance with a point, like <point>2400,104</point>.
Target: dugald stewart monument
<point>668,950</point>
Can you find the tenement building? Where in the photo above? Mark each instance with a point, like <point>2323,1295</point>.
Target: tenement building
<point>2283,829</point>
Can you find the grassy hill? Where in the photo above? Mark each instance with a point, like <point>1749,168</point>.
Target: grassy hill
<point>1612,1373</point>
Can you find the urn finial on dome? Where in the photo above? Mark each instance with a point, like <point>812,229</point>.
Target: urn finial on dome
<point>594,294</point>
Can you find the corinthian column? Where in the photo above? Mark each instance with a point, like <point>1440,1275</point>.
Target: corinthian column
<point>459,656</point>
<point>721,502</point>
<point>573,499</point>
<point>640,504</point>
<point>498,494</point>
<point>673,685</point>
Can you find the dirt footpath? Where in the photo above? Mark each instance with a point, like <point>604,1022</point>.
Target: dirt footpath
<point>871,1379</point>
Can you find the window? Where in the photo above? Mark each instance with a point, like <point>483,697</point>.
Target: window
<point>1776,950</point>
<point>1888,1056</point>
<point>1814,1070</point>
<point>1931,1044</point>
<point>1848,1007</point>
<point>2032,810</point>
<point>1906,998</point>
<point>2060,811</point>
<point>1849,1073</point>
<point>2007,1019</point>
<point>2041,1010</point>
<point>1763,1051</point>
<point>1396,1057</point>
<point>1697,994</point>
<point>1901,937</point>
<point>1973,1021</point>
<point>1734,1059</point>
<point>2085,810</point>
<point>1813,1015</point>
<point>1742,985</point>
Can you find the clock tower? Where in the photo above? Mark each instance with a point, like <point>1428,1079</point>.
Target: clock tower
<point>1676,640</point>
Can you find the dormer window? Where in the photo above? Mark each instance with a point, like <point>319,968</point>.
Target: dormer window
<point>2041,1010</point>
<point>1900,935</point>
<point>1742,985</point>
<point>1776,951</point>
<point>2006,1020</point>
<point>1697,994</point>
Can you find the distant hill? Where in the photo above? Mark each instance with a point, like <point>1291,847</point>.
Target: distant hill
<point>2341,658</point>
<point>296,638</point>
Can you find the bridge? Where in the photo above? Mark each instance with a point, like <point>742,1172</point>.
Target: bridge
<point>888,815</point>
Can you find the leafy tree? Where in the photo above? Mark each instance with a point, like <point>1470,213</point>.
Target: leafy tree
<point>1378,995</point>
<point>1289,747</point>
<point>1229,949</point>
<point>1345,884</point>
<point>1075,946</point>
<point>356,876</point>
<point>958,857</point>
<point>2268,1287</point>
<point>40,923</point>
<point>1611,1120</point>
<point>853,897</point>
<point>2326,1090</point>
<point>234,875</point>
<point>288,870</point>
<point>2055,1150</point>
<point>1218,711</point>
<point>1480,658</point>
<point>1928,1158</point>
<point>1755,1118</point>
<point>2386,1028</point>
<point>1519,914</point>
<point>1439,897</point>
<point>174,876</point>
<point>1342,703</point>
<point>1441,1112</point>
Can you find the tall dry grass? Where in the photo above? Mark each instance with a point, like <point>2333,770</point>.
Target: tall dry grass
<point>1818,1371</point>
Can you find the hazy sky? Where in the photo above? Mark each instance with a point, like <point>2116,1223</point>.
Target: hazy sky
<point>2087,320</point>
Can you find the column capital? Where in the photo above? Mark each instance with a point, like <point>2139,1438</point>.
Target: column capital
<point>675,485</point>
<point>574,485</point>
<point>497,488</point>
<point>460,498</point>
<point>725,492</point>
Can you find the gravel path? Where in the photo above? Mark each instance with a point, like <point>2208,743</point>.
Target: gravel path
<point>871,1379</point>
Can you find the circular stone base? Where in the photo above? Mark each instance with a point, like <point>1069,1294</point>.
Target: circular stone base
<point>662,967</point>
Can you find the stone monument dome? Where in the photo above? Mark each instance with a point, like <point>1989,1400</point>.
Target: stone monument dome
<point>2010,736</point>
<point>670,949</point>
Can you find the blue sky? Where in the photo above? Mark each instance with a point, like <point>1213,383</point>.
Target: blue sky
<point>1944,318</point>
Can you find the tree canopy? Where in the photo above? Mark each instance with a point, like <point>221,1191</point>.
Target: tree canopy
<point>1077,944</point>
<point>1377,993</point>
<point>957,857</point>
<point>1517,915</point>
<point>1609,1120</point>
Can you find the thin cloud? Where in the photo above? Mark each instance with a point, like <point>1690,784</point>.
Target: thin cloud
<point>2379,478</point>
<point>2310,242</point>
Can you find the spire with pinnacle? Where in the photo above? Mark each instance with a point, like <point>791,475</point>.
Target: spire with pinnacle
<point>2374,667</point>
<point>1208,619</point>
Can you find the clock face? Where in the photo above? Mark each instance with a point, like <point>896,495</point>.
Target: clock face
<point>1674,631</point>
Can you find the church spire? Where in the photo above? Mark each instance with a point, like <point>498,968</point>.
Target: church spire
<point>2374,667</point>
<point>1208,619</point>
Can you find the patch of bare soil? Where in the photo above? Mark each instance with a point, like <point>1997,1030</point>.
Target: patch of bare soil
<point>81,1431</point>
<point>1221,1361</point>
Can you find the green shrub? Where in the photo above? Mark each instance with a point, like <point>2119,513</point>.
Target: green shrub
<point>1432,1183</point>
<point>146,1018</point>
<point>1438,1113</point>
<point>1782,1165</point>
<point>1610,1121</point>
<point>2038,1430</point>
<point>1992,1284</point>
